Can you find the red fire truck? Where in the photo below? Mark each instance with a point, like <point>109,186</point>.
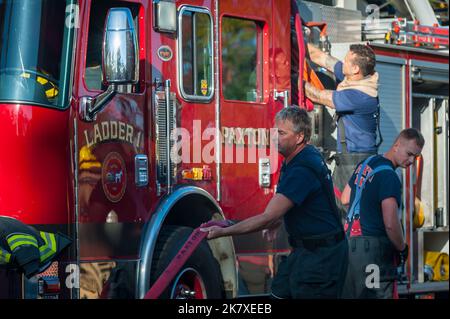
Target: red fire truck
<point>90,92</point>
<point>127,124</point>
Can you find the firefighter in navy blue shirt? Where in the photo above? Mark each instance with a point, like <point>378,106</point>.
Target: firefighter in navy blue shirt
<point>356,103</point>
<point>317,264</point>
<point>373,225</point>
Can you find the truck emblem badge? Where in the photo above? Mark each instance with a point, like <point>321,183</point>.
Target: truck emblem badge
<point>165,53</point>
<point>114,177</point>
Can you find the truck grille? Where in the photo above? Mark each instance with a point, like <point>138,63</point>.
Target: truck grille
<point>163,148</point>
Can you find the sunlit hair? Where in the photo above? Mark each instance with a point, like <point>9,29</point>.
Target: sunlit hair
<point>299,118</point>
<point>412,134</point>
<point>364,58</point>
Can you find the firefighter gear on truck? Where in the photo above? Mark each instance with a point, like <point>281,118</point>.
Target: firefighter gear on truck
<point>23,247</point>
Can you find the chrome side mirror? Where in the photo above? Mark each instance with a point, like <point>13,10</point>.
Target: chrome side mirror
<point>120,48</point>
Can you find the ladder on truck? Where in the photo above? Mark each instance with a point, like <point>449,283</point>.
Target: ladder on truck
<point>412,33</point>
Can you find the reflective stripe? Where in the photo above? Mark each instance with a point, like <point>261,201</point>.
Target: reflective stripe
<point>5,256</point>
<point>49,249</point>
<point>15,240</point>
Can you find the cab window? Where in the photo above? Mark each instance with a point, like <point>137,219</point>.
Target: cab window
<point>196,54</point>
<point>242,60</point>
<point>36,45</point>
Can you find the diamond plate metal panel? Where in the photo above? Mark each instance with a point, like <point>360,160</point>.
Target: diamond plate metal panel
<point>343,25</point>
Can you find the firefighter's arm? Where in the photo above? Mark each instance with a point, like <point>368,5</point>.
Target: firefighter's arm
<point>321,58</point>
<point>345,196</point>
<point>276,208</point>
<point>392,223</point>
<point>324,97</point>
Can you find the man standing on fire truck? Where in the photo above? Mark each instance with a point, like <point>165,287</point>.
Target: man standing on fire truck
<point>373,226</point>
<point>356,103</point>
<point>317,265</point>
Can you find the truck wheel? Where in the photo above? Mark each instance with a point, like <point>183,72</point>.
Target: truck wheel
<point>199,278</point>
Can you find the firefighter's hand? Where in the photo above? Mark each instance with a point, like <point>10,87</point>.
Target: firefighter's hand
<point>213,231</point>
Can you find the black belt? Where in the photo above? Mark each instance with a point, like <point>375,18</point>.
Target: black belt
<point>313,243</point>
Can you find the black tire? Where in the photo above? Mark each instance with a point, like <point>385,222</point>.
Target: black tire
<point>170,240</point>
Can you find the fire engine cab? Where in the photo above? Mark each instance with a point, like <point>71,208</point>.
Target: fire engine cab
<point>126,124</point>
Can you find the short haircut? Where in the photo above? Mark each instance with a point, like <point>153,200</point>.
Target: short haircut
<point>412,134</point>
<point>364,58</point>
<point>299,119</point>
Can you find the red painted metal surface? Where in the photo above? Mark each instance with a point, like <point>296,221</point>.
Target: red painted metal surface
<point>195,117</point>
<point>242,196</point>
<point>40,158</point>
<point>406,53</point>
<point>34,164</point>
<point>408,187</point>
<point>128,116</point>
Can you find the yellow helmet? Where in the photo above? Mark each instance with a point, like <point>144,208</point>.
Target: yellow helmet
<point>419,216</point>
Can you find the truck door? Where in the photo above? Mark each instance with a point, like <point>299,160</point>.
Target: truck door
<point>255,68</point>
<point>254,58</point>
<point>193,79</point>
<point>110,158</point>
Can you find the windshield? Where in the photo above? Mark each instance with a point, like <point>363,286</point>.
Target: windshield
<point>35,51</point>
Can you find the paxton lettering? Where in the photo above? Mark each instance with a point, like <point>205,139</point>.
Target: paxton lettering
<point>246,136</point>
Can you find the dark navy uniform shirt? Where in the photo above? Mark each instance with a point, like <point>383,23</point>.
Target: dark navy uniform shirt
<point>312,213</point>
<point>381,186</point>
<point>358,110</point>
